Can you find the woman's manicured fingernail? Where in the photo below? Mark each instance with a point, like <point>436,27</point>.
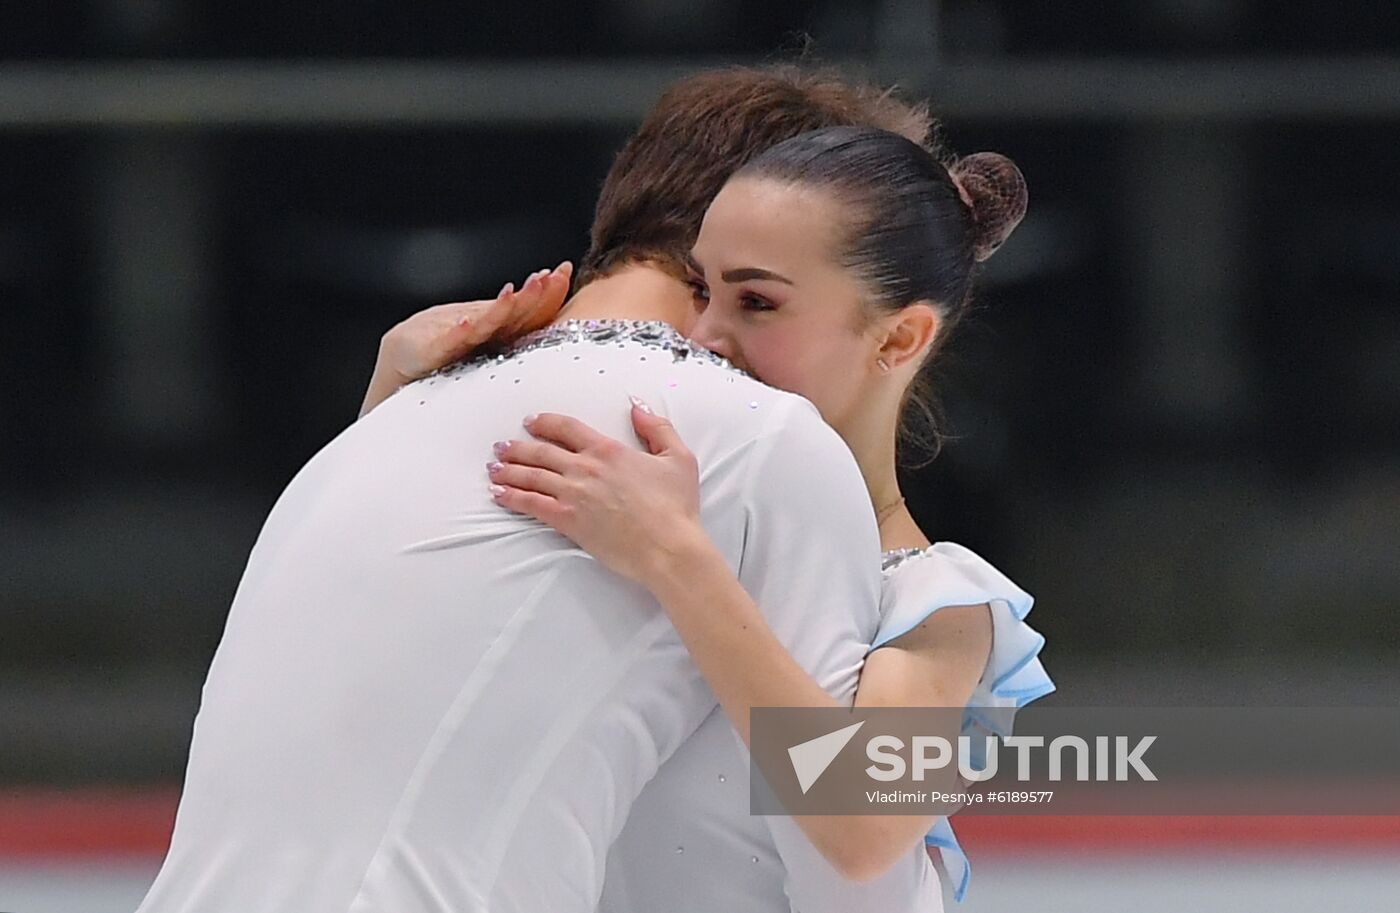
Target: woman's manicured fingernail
<point>500,447</point>
<point>529,419</point>
<point>506,290</point>
<point>495,466</point>
<point>636,401</point>
<point>497,490</point>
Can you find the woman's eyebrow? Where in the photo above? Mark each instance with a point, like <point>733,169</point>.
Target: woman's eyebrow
<point>752,272</point>
<point>693,265</point>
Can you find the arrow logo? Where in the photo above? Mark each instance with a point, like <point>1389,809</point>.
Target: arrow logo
<point>811,758</point>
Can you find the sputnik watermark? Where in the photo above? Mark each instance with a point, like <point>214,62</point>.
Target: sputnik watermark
<point>886,752</point>
<point>1093,761</point>
<point>961,800</point>
<point>812,757</point>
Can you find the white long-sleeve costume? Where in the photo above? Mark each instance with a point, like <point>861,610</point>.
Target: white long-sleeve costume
<point>422,702</point>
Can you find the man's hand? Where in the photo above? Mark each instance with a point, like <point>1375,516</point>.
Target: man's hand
<point>447,333</point>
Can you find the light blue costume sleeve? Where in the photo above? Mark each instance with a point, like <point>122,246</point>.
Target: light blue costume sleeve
<point>919,583</point>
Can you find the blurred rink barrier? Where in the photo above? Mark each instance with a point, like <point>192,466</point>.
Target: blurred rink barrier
<point>98,851</point>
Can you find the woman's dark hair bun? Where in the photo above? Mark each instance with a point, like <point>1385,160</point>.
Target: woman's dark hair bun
<point>995,190</point>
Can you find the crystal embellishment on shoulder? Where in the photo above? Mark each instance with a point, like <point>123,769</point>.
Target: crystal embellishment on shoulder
<point>652,334</point>
<point>895,557</point>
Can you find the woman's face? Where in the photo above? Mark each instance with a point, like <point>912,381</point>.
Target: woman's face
<point>774,298</point>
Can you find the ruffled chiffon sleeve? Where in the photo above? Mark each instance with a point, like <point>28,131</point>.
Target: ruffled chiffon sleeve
<point>920,582</point>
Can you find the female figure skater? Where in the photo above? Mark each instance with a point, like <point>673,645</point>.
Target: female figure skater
<point>834,266</point>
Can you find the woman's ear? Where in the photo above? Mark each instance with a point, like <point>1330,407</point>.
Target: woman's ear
<point>909,332</point>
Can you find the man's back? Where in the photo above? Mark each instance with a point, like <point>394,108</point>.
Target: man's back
<point>423,702</point>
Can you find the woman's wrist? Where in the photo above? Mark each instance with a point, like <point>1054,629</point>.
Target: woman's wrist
<point>675,560</point>
<point>387,378</point>
<point>383,383</point>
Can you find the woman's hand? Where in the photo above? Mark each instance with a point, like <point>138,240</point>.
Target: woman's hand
<point>633,511</point>
<point>446,333</point>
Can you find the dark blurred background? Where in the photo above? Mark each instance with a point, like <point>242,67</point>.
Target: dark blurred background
<point>1176,410</point>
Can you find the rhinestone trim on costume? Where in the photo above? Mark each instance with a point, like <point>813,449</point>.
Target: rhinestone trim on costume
<point>653,334</point>
<point>895,557</point>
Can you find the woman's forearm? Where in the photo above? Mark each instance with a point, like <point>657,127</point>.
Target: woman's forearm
<point>747,666</point>
<point>444,333</point>
<point>383,384</point>
<point>728,638</point>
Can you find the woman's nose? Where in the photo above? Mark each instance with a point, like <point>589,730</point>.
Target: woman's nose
<point>706,331</point>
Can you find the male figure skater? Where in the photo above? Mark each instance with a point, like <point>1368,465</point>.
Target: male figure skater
<point>423,702</point>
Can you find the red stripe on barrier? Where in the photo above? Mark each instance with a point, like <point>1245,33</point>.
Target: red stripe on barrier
<point>1136,834</point>
<point>86,823</point>
<point>122,823</point>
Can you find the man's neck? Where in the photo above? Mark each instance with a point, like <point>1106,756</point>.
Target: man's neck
<point>635,292</point>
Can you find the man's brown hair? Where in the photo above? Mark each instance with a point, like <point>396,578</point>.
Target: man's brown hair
<point>703,130</point>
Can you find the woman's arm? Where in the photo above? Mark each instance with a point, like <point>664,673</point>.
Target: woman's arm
<point>440,335</point>
<point>936,665</point>
<point>638,513</point>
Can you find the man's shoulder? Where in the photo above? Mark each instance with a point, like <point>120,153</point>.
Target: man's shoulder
<point>740,408</point>
<point>584,368</point>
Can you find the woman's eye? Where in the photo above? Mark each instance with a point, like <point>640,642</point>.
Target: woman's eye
<point>697,289</point>
<point>752,303</point>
